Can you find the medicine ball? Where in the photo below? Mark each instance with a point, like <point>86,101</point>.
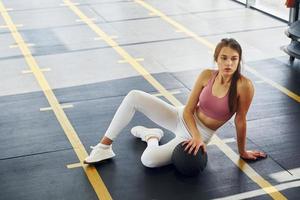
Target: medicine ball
<point>188,164</point>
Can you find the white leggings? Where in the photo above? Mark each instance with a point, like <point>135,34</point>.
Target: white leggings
<point>163,114</point>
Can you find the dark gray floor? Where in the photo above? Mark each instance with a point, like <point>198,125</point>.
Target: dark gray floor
<point>34,150</point>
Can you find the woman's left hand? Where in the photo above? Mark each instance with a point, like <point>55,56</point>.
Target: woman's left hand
<point>194,144</point>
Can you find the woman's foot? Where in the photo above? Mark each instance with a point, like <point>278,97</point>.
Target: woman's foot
<point>100,152</point>
<point>146,133</point>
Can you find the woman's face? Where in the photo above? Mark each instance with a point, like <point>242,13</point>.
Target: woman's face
<point>228,60</point>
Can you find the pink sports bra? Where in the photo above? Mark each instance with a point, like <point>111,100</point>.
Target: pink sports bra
<point>212,106</point>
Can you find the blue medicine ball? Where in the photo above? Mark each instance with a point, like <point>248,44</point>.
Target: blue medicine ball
<point>188,164</point>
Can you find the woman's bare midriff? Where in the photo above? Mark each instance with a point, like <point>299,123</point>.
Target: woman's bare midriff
<point>209,122</point>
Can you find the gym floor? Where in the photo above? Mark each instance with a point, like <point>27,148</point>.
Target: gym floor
<point>66,66</point>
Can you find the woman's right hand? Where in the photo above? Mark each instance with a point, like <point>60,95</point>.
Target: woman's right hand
<point>194,144</point>
<point>252,155</point>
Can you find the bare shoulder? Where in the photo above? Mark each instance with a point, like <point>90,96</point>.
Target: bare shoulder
<point>244,85</point>
<point>205,75</point>
<point>207,72</point>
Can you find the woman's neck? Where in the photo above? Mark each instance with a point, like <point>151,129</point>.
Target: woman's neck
<point>223,80</point>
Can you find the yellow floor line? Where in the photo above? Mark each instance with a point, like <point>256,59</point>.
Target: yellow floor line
<point>251,173</point>
<point>91,172</point>
<point>266,186</point>
<point>274,84</point>
<point>203,41</point>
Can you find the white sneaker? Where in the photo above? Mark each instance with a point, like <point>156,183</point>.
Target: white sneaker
<point>145,133</point>
<point>99,153</point>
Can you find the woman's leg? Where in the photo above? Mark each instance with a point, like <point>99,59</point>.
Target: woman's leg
<point>157,156</point>
<point>152,107</point>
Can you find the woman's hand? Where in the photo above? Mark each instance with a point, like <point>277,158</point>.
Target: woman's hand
<point>253,155</point>
<point>194,144</point>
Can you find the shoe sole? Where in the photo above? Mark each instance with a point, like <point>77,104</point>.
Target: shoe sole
<point>86,162</point>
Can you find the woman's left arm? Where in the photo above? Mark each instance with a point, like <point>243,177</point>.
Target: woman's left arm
<point>245,92</point>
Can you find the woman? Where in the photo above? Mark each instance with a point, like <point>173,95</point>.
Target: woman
<point>215,98</point>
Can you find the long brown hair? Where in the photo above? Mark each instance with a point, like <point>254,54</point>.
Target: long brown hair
<point>233,44</point>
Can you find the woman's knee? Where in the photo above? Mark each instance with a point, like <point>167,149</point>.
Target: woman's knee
<point>133,94</point>
<point>149,160</point>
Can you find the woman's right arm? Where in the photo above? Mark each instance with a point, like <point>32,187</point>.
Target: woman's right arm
<point>188,114</point>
